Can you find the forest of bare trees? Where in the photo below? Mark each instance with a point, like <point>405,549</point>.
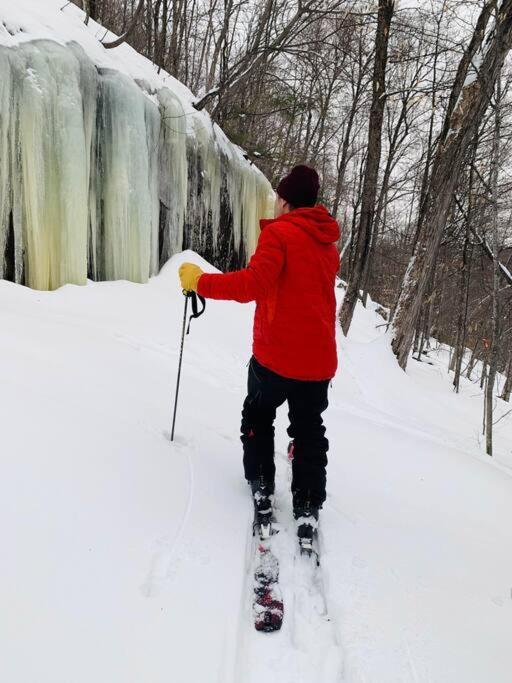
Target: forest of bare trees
<point>405,109</point>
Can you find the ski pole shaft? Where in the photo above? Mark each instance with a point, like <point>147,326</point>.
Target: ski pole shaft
<point>179,364</point>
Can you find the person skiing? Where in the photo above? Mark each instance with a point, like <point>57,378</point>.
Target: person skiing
<point>291,277</point>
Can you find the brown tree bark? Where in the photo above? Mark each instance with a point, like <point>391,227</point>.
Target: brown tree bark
<point>386,10</point>
<point>463,312</point>
<point>121,39</point>
<point>94,9</point>
<point>495,340</point>
<point>507,388</point>
<point>467,254</point>
<point>400,133</point>
<point>91,9</point>
<point>458,132</point>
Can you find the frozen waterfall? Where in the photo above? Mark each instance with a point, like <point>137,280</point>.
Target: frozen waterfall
<point>103,176</point>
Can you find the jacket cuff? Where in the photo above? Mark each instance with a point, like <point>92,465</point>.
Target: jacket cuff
<point>202,285</point>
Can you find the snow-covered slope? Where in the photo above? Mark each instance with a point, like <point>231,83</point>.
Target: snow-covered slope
<point>125,556</point>
<point>26,20</point>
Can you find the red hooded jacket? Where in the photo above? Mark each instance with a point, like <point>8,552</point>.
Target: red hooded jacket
<point>291,276</point>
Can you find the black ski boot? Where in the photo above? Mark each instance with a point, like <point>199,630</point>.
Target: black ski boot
<point>263,497</point>
<point>306,516</point>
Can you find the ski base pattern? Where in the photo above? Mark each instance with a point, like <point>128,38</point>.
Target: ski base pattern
<point>268,609</point>
<point>267,603</point>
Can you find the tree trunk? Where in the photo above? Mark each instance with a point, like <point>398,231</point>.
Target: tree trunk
<point>507,389</point>
<point>430,145</point>
<point>467,254</point>
<point>483,376</point>
<point>427,316</point>
<point>495,341</point>
<point>463,312</point>
<point>472,362</point>
<point>459,131</point>
<point>342,166</point>
<point>386,10</point>
<point>94,9</point>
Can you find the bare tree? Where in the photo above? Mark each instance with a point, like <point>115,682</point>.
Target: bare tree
<point>494,346</point>
<point>259,50</point>
<point>385,15</point>
<point>464,113</point>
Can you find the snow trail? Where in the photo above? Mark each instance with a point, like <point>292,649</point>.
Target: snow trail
<point>416,552</point>
<point>306,649</point>
<point>161,561</point>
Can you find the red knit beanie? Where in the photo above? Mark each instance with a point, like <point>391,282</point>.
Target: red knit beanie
<point>300,187</point>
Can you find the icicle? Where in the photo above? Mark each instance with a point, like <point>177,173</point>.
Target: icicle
<point>89,90</point>
<point>6,102</point>
<point>173,173</point>
<point>257,203</point>
<point>124,177</point>
<point>153,125</point>
<point>251,199</point>
<point>54,163</point>
<point>205,199</point>
<point>102,175</point>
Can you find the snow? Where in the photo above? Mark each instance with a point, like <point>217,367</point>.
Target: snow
<point>28,20</point>
<point>126,557</point>
<point>56,20</point>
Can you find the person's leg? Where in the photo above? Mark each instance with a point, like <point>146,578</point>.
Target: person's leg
<point>307,401</point>
<point>265,392</point>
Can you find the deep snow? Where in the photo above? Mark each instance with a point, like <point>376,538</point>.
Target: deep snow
<point>125,557</point>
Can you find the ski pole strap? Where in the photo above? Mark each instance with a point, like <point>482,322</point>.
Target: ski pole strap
<point>196,312</point>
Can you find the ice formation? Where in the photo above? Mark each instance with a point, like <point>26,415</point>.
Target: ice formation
<point>105,175</point>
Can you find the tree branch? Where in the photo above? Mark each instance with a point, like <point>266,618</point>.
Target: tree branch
<point>256,57</point>
<point>121,39</point>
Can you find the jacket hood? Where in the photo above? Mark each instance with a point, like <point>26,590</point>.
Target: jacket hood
<point>315,220</point>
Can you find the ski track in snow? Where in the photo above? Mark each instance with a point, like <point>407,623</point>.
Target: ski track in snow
<point>161,561</point>
<point>307,648</point>
<point>144,548</point>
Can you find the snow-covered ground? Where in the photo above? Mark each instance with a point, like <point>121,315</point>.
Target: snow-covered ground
<point>126,558</point>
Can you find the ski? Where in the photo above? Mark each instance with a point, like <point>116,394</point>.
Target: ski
<point>267,606</point>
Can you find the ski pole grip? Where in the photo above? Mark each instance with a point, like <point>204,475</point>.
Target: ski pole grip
<point>196,312</point>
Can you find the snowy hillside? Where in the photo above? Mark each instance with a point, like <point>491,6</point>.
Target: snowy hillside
<point>125,557</point>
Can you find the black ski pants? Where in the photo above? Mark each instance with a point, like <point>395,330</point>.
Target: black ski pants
<point>307,400</point>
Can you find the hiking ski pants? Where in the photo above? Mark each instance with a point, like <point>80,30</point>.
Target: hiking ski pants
<point>307,400</point>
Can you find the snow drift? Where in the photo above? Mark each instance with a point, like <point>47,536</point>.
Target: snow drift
<point>106,169</point>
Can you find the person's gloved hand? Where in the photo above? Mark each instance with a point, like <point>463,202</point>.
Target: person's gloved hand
<point>189,276</point>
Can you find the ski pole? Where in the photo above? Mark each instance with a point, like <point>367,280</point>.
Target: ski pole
<point>195,314</point>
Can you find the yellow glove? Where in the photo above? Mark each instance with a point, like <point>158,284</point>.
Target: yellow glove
<point>189,276</point>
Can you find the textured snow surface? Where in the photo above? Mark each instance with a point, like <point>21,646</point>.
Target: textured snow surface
<point>127,558</point>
